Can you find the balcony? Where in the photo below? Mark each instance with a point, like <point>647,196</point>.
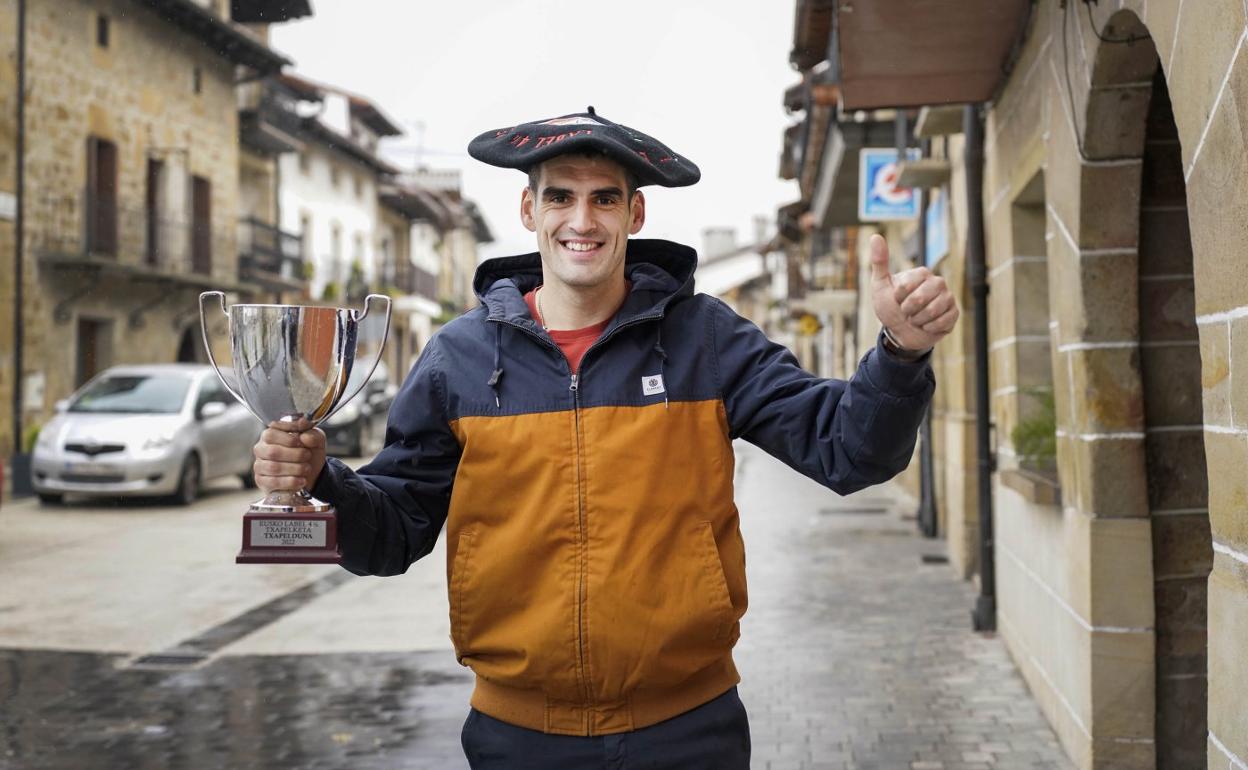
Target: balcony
<point>84,234</point>
<point>418,282</point>
<point>267,122</point>
<point>270,257</point>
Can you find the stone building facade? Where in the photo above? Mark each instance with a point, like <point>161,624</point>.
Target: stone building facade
<point>131,182</point>
<point>1114,207</point>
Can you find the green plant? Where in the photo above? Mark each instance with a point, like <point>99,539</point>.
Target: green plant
<point>308,271</point>
<point>330,292</point>
<point>1035,438</point>
<point>30,437</point>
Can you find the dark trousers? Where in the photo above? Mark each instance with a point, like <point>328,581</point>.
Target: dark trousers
<point>713,736</point>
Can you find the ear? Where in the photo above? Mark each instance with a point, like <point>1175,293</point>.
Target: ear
<point>637,212</point>
<point>526,209</point>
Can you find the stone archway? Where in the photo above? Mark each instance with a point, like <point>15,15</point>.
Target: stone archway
<point>1129,120</point>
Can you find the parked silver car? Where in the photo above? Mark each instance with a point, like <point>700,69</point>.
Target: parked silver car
<point>160,429</point>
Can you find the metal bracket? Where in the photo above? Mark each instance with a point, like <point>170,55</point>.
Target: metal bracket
<point>61,313</point>
<point>135,319</point>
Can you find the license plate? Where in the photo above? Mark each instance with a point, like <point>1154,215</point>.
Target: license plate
<point>92,469</point>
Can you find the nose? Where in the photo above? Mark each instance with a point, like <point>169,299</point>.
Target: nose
<point>582,222</point>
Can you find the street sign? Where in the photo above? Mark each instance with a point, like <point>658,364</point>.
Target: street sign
<point>879,197</point>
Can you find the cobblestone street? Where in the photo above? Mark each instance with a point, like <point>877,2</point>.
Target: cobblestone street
<point>855,654</point>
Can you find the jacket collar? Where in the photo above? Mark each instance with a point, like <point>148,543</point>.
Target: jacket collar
<point>660,271</point>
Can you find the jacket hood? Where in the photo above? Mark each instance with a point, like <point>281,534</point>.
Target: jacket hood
<point>659,270</point>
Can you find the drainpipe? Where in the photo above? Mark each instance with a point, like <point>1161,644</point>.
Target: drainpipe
<point>926,515</point>
<point>19,230</point>
<point>984,616</point>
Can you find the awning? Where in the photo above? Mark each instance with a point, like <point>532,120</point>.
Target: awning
<point>835,199</point>
<point>899,53</point>
<point>726,273</point>
<point>230,41</point>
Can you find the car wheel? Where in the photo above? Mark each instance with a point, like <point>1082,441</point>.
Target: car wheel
<point>49,498</point>
<point>248,479</point>
<point>363,439</point>
<point>188,481</point>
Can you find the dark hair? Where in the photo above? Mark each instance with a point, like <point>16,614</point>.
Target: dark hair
<point>630,179</point>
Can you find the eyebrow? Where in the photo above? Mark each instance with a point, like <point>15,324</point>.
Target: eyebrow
<point>552,191</point>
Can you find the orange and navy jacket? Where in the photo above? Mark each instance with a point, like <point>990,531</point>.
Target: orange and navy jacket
<point>595,566</point>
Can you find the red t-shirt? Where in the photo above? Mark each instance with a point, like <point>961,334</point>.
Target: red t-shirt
<point>573,342</point>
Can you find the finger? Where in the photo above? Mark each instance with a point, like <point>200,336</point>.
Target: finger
<point>926,309</point>
<point>313,439</point>
<point>282,454</point>
<point>276,437</point>
<point>922,296</point>
<point>281,483</point>
<point>276,474</point>
<point>291,426</point>
<point>944,324</point>
<point>907,281</point>
<point>879,259</point>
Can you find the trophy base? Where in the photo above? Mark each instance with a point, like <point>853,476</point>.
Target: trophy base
<point>298,530</point>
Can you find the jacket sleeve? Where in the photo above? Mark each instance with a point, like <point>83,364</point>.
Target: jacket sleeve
<point>846,435</point>
<point>391,510</point>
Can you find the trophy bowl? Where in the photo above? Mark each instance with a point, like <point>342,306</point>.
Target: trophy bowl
<point>291,363</point>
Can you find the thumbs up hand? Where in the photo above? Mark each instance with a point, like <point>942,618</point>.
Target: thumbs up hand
<point>914,305</point>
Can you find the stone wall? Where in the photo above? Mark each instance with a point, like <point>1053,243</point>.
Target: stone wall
<point>139,94</point>
<point>1090,183</point>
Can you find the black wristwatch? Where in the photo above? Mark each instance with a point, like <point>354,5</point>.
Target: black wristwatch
<point>894,347</point>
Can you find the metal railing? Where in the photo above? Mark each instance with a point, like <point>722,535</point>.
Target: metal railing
<point>419,282</point>
<point>83,227</point>
<point>268,249</point>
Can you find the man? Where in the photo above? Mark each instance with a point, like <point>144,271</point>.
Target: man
<point>574,435</point>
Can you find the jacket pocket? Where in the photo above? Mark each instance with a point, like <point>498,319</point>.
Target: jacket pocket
<point>460,605</point>
<point>719,599</point>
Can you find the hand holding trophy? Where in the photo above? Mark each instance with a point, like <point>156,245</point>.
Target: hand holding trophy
<point>291,364</point>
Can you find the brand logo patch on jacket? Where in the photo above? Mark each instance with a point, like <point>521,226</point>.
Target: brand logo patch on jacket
<point>652,385</point>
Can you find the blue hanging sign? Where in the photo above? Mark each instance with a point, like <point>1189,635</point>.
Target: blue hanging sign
<point>879,197</point>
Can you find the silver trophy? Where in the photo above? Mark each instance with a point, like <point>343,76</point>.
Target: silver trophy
<point>291,362</point>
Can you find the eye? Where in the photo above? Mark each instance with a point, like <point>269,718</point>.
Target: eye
<point>606,200</point>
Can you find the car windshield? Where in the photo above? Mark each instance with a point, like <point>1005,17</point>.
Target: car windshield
<point>134,394</point>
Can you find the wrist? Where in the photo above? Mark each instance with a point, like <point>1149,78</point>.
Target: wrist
<point>890,343</point>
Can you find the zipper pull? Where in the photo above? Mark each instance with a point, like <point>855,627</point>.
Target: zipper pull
<point>573,386</point>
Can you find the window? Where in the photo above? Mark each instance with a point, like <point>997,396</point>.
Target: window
<point>101,31</point>
<point>197,80</point>
<point>101,204</point>
<point>305,235</point>
<point>155,183</point>
<point>201,225</point>
<point>334,175</point>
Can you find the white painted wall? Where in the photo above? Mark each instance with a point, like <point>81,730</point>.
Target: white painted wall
<point>311,192</point>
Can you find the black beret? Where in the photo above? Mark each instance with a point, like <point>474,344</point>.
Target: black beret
<point>528,144</point>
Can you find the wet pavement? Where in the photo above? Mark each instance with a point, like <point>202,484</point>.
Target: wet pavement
<point>856,653</point>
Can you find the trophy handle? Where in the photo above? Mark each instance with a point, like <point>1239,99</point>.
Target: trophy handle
<point>357,316</point>
<point>203,327</point>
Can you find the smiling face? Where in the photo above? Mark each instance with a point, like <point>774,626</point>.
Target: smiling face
<point>582,215</point>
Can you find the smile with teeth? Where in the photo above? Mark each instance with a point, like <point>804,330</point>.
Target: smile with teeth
<point>580,245</point>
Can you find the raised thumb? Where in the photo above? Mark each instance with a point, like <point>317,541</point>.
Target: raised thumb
<point>879,259</point>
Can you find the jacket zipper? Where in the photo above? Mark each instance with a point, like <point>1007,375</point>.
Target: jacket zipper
<point>582,536</point>
<point>574,386</point>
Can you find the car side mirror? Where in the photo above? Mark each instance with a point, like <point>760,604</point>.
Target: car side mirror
<point>212,409</point>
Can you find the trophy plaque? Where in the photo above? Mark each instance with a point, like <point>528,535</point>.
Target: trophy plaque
<point>291,362</point>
